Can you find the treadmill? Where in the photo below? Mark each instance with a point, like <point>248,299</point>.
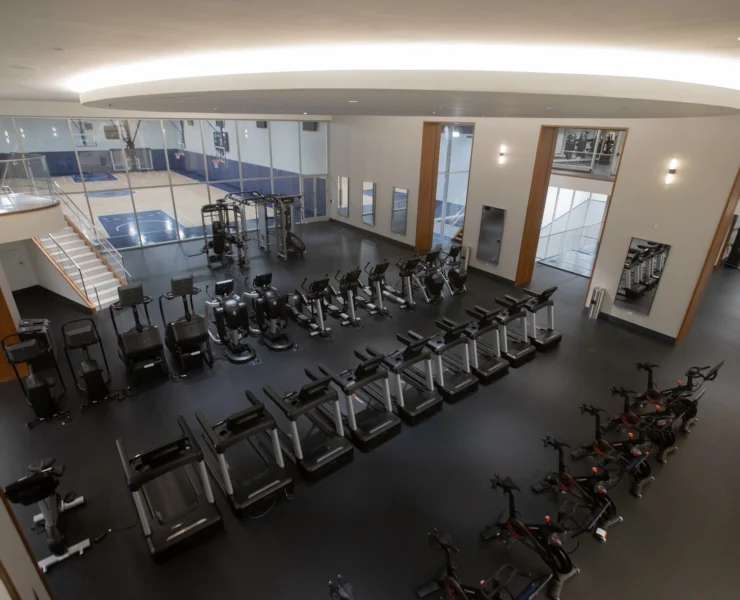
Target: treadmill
<point>370,420</point>
<point>453,375</point>
<point>413,393</point>
<point>252,481</point>
<point>485,353</point>
<point>172,493</point>
<point>318,447</point>
<point>542,338</point>
<point>515,346</point>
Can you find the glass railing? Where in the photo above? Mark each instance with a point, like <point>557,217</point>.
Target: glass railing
<point>94,235</point>
<point>25,183</point>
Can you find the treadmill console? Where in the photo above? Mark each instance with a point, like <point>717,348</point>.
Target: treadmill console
<point>131,294</point>
<point>181,285</point>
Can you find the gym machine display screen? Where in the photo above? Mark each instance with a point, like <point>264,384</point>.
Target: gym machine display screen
<point>490,234</point>
<point>640,278</point>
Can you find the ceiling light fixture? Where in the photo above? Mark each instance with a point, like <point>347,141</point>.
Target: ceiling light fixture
<point>305,113</point>
<point>353,101</point>
<point>689,68</point>
<point>502,154</point>
<point>672,167</point>
<point>455,134</point>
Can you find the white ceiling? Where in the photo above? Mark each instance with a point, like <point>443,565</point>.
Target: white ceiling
<point>437,103</point>
<point>45,42</point>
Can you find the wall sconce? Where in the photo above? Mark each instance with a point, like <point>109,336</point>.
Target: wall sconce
<point>502,154</point>
<point>672,166</point>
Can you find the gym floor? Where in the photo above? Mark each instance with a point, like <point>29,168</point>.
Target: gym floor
<point>369,520</point>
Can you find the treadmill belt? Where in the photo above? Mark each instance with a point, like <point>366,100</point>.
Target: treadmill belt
<point>171,496</point>
<point>246,466</point>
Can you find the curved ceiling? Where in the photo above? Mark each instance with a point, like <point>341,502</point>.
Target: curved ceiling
<point>46,45</point>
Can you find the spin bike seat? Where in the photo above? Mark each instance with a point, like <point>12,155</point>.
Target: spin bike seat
<point>508,484</point>
<point>42,465</point>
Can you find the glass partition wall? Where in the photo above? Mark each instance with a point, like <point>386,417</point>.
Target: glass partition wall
<point>144,181</point>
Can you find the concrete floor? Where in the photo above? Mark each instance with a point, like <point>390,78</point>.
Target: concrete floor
<point>369,520</point>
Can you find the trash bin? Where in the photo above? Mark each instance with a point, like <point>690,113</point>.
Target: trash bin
<point>597,299</point>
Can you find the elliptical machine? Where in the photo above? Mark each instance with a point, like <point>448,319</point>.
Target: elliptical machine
<point>40,487</point>
<point>429,277</point>
<point>34,348</point>
<point>96,379</point>
<point>377,288</point>
<point>187,337</point>
<point>453,271</point>
<point>269,314</point>
<point>307,307</point>
<point>140,348</point>
<point>345,308</point>
<point>231,319</point>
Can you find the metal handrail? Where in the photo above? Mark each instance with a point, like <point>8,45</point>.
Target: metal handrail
<point>83,277</point>
<point>99,238</point>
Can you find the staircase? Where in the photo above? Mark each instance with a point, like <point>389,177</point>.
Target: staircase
<point>85,256</point>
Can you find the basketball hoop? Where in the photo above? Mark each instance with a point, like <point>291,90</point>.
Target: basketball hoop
<point>215,162</point>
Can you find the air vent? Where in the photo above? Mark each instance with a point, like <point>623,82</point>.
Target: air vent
<point>261,124</point>
<point>191,122</point>
<point>87,126</point>
<point>310,125</point>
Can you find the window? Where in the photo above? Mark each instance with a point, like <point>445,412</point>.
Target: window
<point>398,212</point>
<point>343,200</point>
<point>368,203</point>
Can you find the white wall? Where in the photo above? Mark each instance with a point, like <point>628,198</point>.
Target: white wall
<point>17,265</point>
<point>382,150</point>
<point>387,150</point>
<point>254,143</point>
<point>16,560</point>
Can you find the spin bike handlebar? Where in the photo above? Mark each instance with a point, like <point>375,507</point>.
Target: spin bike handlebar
<point>551,442</point>
<point>443,540</point>
<point>699,372</point>
<point>590,409</point>
<point>646,366</point>
<point>620,391</point>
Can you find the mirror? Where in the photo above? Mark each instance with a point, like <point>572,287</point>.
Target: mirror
<point>398,210</point>
<point>643,267</point>
<point>368,203</point>
<point>490,234</point>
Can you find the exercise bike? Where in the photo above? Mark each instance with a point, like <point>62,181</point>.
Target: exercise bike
<point>306,307</point>
<point>495,588</point>
<point>545,539</point>
<point>269,314</point>
<point>591,490</point>
<point>40,487</point>
<point>630,455</point>
<point>231,322</point>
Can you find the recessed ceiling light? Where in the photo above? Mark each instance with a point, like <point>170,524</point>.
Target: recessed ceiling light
<point>434,113</point>
<point>305,113</point>
<point>58,49</point>
<point>549,107</point>
<point>353,101</point>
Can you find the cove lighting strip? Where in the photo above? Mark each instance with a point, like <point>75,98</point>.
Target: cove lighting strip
<point>686,68</point>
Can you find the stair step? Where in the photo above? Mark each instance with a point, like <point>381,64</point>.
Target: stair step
<point>95,276</point>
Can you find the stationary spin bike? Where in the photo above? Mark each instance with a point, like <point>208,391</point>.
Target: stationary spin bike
<point>589,490</point>
<point>545,539</point>
<point>231,321</point>
<point>495,588</point>
<point>40,487</point>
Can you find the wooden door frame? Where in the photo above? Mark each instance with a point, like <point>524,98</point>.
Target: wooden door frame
<point>427,191</point>
<point>720,234</point>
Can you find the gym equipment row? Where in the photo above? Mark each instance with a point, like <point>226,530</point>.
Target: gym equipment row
<point>226,234</point>
<point>584,503</point>
<point>642,269</point>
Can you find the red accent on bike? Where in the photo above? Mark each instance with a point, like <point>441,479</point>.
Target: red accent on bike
<point>547,519</point>
<point>630,435</point>
<point>657,407</point>
<point>595,469</point>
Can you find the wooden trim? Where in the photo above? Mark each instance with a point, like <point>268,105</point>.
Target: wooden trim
<point>606,216</point>
<point>7,327</point>
<point>8,584</point>
<point>83,237</point>
<point>79,292</point>
<point>725,221</point>
<point>536,205</point>
<point>10,512</point>
<point>29,210</point>
<point>430,139</point>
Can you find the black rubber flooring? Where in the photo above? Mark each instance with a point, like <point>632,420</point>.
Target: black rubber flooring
<point>369,521</point>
